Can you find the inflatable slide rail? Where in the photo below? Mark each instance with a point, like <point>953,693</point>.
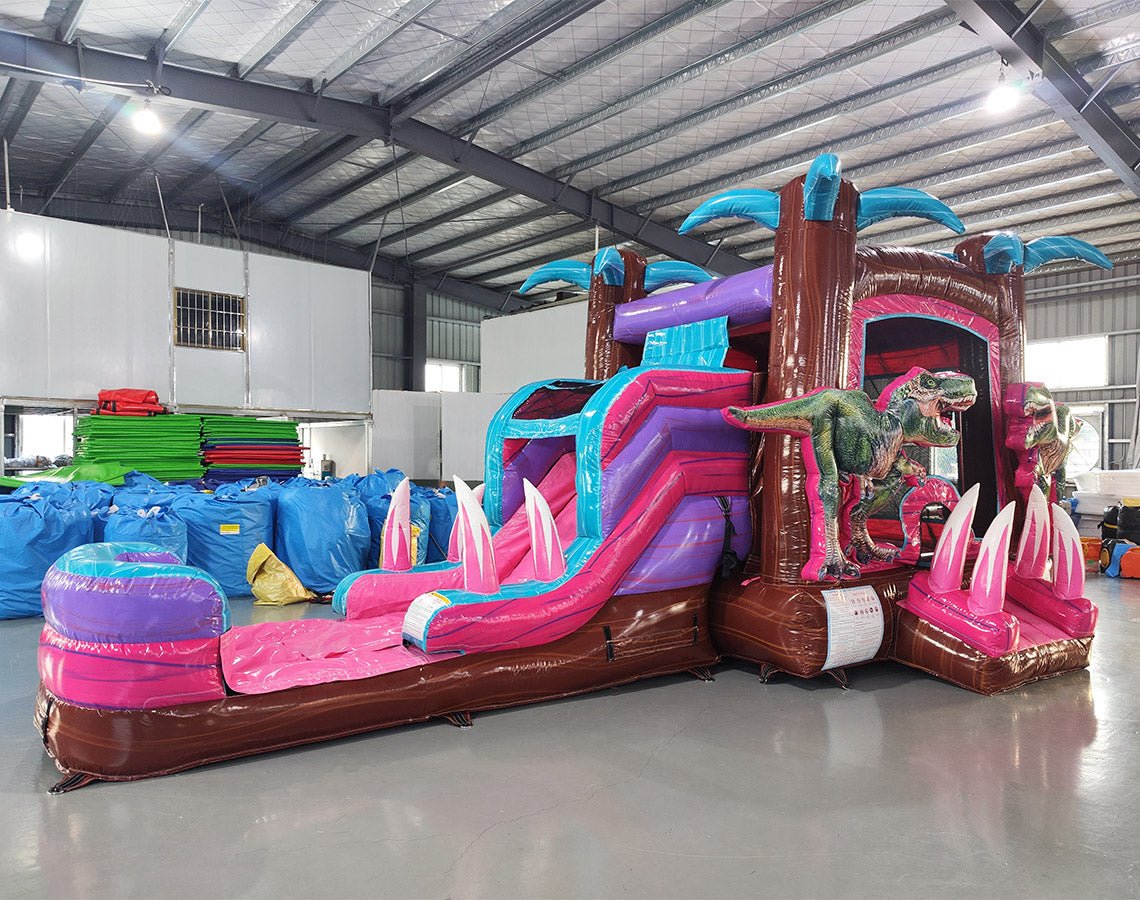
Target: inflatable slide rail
<point>648,454</point>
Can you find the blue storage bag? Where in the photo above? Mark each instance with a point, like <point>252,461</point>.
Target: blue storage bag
<point>444,509</point>
<point>222,533</point>
<point>322,533</point>
<point>152,526</point>
<point>34,533</point>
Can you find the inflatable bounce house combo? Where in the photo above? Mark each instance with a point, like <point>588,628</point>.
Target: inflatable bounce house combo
<point>781,466</point>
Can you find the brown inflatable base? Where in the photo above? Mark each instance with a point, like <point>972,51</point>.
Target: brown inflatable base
<point>783,628</point>
<point>632,637</point>
<point>924,646</point>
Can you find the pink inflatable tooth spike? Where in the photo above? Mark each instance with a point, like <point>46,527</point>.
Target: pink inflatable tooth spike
<point>1068,557</point>
<point>987,588</point>
<point>476,552</point>
<point>396,538</point>
<point>546,546</point>
<point>454,539</point>
<point>1033,548</point>
<point>950,555</point>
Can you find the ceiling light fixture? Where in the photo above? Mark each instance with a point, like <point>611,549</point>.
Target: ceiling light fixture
<point>1004,96</point>
<point>146,120</point>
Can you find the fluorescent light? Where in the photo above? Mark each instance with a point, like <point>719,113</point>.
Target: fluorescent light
<point>1003,98</point>
<point>146,120</point>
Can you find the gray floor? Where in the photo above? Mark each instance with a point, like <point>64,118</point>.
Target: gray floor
<point>902,786</point>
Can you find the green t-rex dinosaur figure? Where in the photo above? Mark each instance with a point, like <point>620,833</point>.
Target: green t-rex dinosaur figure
<point>1040,432</point>
<point>851,437</point>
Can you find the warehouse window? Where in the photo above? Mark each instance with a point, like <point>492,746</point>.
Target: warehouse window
<point>43,435</point>
<point>443,376</point>
<point>1072,363</point>
<point>209,320</point>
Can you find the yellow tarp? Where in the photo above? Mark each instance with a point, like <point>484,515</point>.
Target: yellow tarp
<point>273,582</point>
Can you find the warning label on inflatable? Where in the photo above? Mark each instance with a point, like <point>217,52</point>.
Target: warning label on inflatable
<point>854,625</point>
<point>229,529</point>
<point>420,612</point>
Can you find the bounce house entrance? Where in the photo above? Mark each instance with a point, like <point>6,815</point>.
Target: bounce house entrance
<point>895,345</point>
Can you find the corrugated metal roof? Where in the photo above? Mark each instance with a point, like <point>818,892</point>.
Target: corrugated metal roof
<point>652,104</point>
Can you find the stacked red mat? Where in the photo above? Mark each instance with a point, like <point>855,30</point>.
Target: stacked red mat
<point>129,402</point>
<point>253,455</point>
<point>238,447</point>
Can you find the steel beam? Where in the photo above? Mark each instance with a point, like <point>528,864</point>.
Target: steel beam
<point>559,79</point>
<point>255,131</point>
<point>868,49</point>
<point>350,188</point>
<point>174,32</point>
<point>369,43</point>
<point>740,50</point>
<point>857,101</point>
<point>875,46</point>
<point>90,136</point>
<point>28,97</point>
<point>305,169</point>
<point>391,206</point>
<point>482,58</point>
<point>69,24</point>
<point>218,92</point>
<point>495,228</point>
<point>1005,28</point>
<point>171,137</point>
<point>415,335</point>
<point>486,255</point>
<point>281,31</point>
<point>471,158</point>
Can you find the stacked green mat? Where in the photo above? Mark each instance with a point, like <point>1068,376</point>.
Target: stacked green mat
<point>166,447</point>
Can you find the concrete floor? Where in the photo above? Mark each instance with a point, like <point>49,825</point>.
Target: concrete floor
<point>903,786</point>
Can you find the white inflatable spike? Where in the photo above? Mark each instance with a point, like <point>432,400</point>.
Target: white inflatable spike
<point>950,555</point>
<point>1033,548</point>
<point>396,538</point>
<point>1068,557</point>
<point>476,552</point>
<point>546,546</point>
<point>987,589</point>
<point>453,539</point>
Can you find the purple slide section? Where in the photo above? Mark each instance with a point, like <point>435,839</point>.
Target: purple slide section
<point>667,428</point>
<point>132,610</point>
<point>688,549</point>
<point>746,299</point>
<point>531,463</point>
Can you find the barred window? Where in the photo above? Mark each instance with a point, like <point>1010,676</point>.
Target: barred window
<point>209,320</point>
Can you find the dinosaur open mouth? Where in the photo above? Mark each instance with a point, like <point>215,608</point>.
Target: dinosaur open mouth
<point>947,409</point>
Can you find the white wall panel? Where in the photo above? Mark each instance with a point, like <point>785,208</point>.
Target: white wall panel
<point>204,268</point>
<point>25,348</point>
<point>531,346</point>
<point>110,310</point>
<point>308,336</point>
<point>81,308</point>
<point>342,350</point>
<point>280,350</point>
<point>209,377</point>
<point>406,433</point>
<point>463,432</point>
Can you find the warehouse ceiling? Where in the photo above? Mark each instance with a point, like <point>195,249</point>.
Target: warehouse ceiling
<point>462,143</point>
